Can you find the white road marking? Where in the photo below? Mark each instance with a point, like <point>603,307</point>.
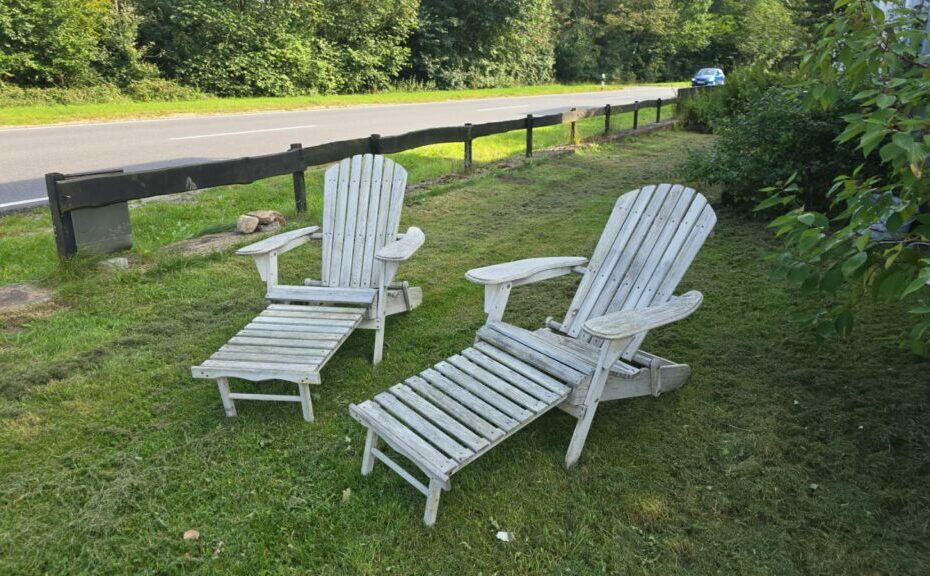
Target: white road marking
<point>242,132</point>
<point>21,202</point>
<point>502,108</point>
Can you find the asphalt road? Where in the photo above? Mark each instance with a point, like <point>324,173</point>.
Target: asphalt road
<point>28,153</point>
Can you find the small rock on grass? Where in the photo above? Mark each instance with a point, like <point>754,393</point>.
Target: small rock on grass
<point>268,216</point>
<point>247,224</point>
<point>505,536</point>
<point>192,535</point>
<point>272,227</point>
<point>119,263</point>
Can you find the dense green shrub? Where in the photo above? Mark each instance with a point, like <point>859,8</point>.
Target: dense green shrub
<point>158,89</point>
<point>771,138</point>
<point>102,93</point>
<point>484,44</point>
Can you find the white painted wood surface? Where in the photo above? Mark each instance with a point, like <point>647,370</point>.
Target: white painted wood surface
<point>455,411</point>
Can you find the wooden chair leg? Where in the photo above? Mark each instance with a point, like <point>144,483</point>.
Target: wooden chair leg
<point>432,501</point>
<point>306,403</point>
<point>228,405</point>
<point>379,344</point>
<point>372,441</point>
<point>579,436</point>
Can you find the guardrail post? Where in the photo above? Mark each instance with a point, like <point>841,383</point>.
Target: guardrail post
<point>658,110</point>
<point>635,115</point>
<point>374,142</point>
<point>468,157</point>
<point>529,135</point>
<point>573,133</point>
<point>300,186</point>
<point>65,241</point>
<point>606,119</point>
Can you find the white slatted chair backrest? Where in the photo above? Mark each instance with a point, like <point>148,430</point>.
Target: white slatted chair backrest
<point>362,201</point>
<point>648,244</point>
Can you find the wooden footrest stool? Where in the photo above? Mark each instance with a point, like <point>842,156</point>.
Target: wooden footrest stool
<point>285,342</point>
<point>452,413</point>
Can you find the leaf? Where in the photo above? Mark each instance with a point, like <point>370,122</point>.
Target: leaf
<point>769,202</point>
<point>922,280</point>
<point>885,100</point>
<point>853,263</point>
<point>870,140</point>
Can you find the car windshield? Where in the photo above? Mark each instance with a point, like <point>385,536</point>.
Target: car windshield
<point>706,72</point>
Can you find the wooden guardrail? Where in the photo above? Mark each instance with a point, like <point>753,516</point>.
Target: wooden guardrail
<point>68,193</point>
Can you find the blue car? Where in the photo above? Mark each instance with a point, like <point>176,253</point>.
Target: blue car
<point>709,77</point>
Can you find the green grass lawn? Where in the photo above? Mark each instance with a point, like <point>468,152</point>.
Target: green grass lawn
<point>783,454</point>
<point>52,114</point>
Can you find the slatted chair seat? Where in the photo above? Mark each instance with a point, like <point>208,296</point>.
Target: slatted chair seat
<point>450,414</point>
<point>593,355</point>
<point>304,325</point>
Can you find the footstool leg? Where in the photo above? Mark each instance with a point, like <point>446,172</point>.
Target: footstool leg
<point>228,406</point>
<point>372,441</point>
<point>432,501</point>
<point>305,402</point>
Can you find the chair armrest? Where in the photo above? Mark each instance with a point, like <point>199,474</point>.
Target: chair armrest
<point>628,323</point>
<point>279,243</point>
<point>403,248</point>
<point>525,271</point>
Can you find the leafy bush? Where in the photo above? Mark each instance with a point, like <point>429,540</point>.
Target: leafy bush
<point>771,139</point>
<point>16,96</point>
<point>158,89</point>
<point>702,110</point>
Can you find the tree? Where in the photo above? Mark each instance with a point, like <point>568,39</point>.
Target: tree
<point>474,44</point>
<point>874,241</point>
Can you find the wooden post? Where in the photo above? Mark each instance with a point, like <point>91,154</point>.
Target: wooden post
<point>468,157</point>
<point>300,186</point>
<point>375,143</point>
<point>64,228</point>
<point>573,134</point>
<point>658,110</point>
<point>606,119</point>
<point>529,135</point>
<point>635,115</point>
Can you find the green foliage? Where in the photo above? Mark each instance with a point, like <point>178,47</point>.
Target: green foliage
<point>253,47</point>
<point>875,238</point>
<point>484,44</point>
<point>768,140</point>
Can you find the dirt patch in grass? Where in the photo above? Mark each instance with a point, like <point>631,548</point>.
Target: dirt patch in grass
<point>22,295</point>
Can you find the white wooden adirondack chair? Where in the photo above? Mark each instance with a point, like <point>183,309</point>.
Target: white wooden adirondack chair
<point>303,326</point>
<point>452,413</point>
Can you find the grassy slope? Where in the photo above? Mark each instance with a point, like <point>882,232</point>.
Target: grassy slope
<point>783,455</point>
<point>51,114</point>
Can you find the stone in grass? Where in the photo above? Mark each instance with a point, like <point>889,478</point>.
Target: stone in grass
<point>247,224</point>
<point>192,535</point>
<point>270,227</point>
<point>268,217</point>
<point>118,263</point>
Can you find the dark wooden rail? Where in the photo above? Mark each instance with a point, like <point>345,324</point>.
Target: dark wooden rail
<point>74,192</point>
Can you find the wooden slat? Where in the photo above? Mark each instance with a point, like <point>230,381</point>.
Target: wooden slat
<point>339,222</point>
<point>330,187</point>
<point>358,296</point>
<point>423,427</point>
<point>283,321</point>
<point>371,222</point>
<point>475,422</point>
<point>482,391</point>
<point>466,398</point>
<point>532,357</point>
<point>280,342</point>
<point>311,314</point>
<point>361,222</point>
<point>451,426</point>
<point>530,372</point>
<point>402,439</point>
<point>348,243</point>
<point>301,307</point>
<point>512,376</point>
<point>277,350</point>
<point>496,383</point>
<point>555,352</point>
<point>316,339</point>
<point>266,357</point>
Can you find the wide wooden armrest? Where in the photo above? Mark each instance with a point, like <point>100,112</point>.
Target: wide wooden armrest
<point>628,323</point>
<point>525,271</point>
<point>403,248</point>
<point>279,243</point>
